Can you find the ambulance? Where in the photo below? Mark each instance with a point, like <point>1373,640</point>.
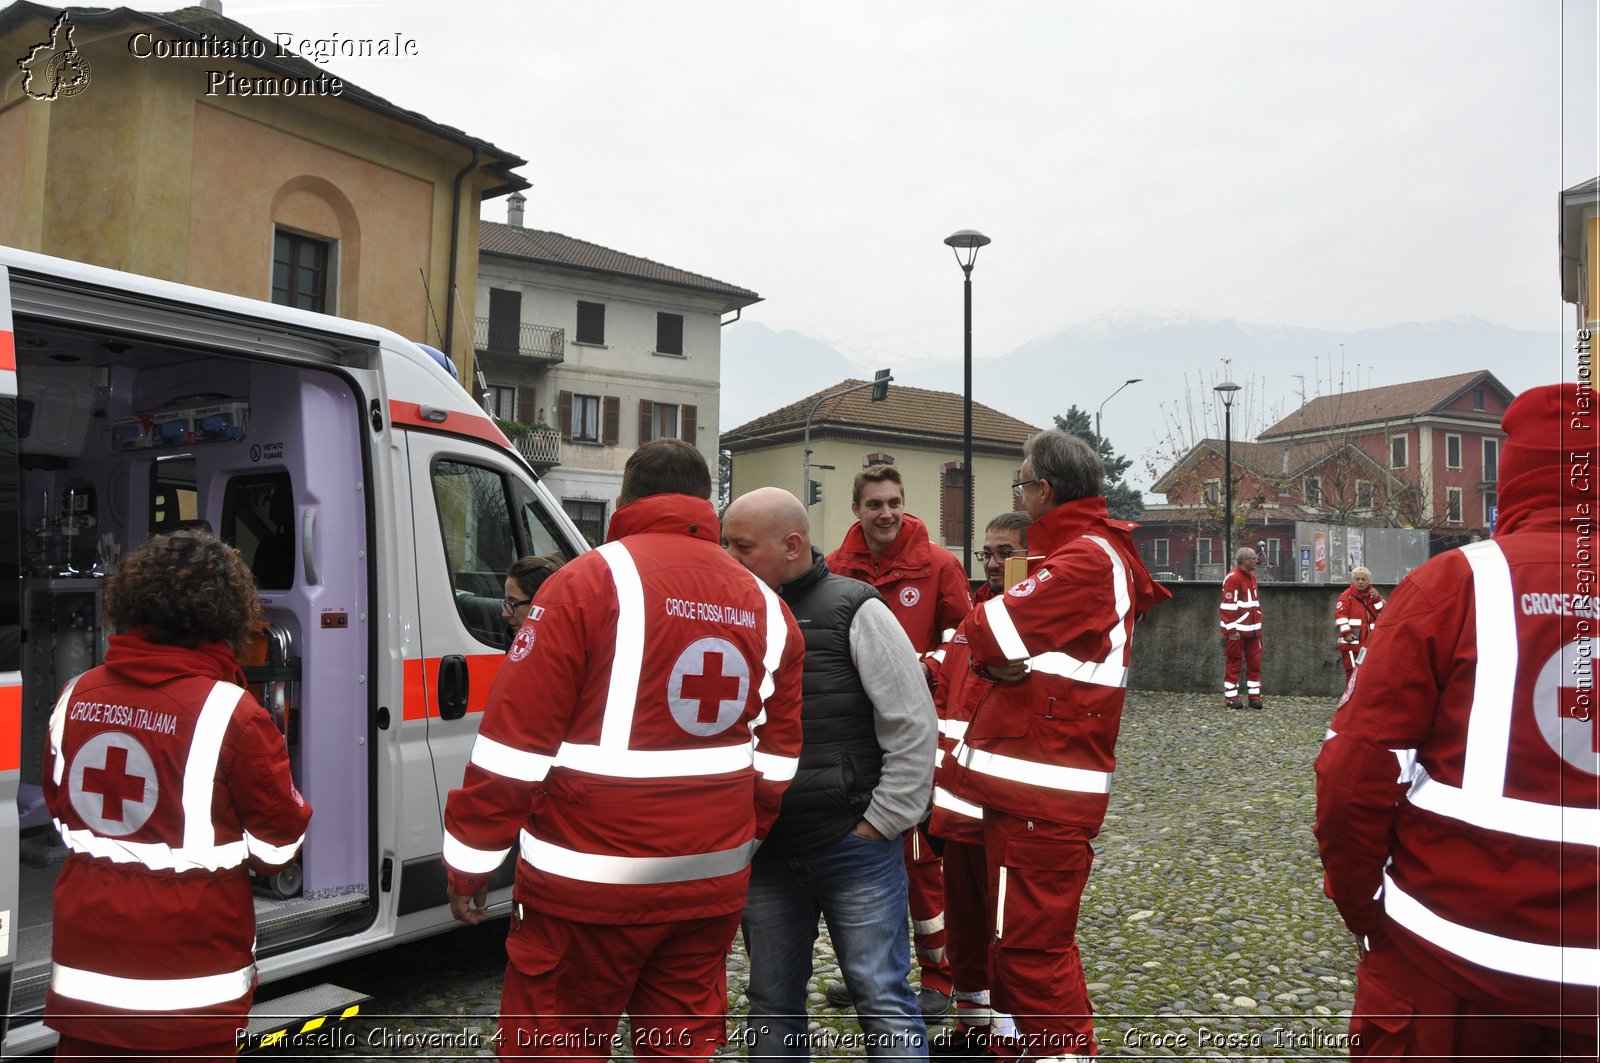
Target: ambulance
<point>379,509</point>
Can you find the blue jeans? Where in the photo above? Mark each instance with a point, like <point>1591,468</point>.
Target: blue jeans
<point>859,886</point>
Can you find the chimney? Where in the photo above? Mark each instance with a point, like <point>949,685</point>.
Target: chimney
<point>514,203</point>
<point>1286,461</point>
<point>213,6</point>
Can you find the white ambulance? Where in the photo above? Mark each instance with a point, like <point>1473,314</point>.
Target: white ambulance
<point>379,509</point>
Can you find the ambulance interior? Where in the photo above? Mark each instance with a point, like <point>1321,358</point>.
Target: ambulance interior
<point>121,437</point>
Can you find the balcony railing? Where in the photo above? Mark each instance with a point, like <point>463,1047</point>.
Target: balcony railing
<point>544,342</point>
<point>542,447</point>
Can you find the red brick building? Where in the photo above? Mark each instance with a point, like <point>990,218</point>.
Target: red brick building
<point>1423,454</point>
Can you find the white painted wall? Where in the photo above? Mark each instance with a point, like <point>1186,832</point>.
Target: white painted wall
<point>625,366</point>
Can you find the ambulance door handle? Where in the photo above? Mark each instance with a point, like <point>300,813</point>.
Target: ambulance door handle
<point>453,687</point>
<point>308,543</point>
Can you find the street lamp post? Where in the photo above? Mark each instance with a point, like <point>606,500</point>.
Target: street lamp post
<point>1226,389</point>
<point>1109,397</point>
<point>968,240</point>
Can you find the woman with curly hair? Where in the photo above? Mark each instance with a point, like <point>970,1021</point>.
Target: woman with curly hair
<point>168,783</point>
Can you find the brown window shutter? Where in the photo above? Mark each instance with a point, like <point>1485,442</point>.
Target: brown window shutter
<point>611,407</point>
<point>686,421</point>
<point>566,415</point>
<point>527,405</point>
<point>647,416</point>
<point>952,504</point>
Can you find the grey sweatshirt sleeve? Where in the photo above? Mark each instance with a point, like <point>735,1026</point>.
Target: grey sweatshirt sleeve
<point>903,714</point>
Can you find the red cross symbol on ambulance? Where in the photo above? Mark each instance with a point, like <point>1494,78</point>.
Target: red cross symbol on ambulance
<point>708,687</point>
<point>113,784</point>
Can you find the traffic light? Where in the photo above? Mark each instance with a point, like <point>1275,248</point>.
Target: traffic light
<point>813,492</point>
<point>880,385</point>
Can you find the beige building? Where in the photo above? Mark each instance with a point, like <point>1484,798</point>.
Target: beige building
<point>917,431</point>
<point>263,176</point>
<point>1580,251</point>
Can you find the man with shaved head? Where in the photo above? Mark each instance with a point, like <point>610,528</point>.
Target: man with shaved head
<point>864,779</point>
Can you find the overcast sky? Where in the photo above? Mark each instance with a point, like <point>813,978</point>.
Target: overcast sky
<point>1338,165</point>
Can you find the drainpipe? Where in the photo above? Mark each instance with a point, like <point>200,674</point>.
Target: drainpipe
<point>455,249</point>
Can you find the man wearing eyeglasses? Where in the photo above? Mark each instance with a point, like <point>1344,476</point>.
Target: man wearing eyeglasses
<point>959,824</point>
<point>1039,752</point>
<point>926,589</point>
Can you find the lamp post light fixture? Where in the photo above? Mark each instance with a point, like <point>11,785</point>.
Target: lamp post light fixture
<point>968,241</point>
<point>1109,397</point>
<point>1227,389</point>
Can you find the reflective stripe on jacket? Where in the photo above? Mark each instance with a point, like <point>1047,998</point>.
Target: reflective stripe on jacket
<point>639,738</point>
<point>1459,787</point>
<point>1045,746</point>
<point>164,781</point>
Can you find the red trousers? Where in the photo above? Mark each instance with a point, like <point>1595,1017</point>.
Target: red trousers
<point>925,886</point>
<point>1242,655</point>
<point>966,901</point>
<point>1037,872</point>
<point>1402,1013</point>
<point>1348,652</point>
<point>568,983</point>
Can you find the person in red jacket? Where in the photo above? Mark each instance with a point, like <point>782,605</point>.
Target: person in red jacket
<point>927,590</point>
<point>1039,753</point>
<point>1458,790</point>
<point>168,784</point>
<point>634,750</point>
<point>959,825</point>
<point>1241,630</point>
<point>1354,616</point>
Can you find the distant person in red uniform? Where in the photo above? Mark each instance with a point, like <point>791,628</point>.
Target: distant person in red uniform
<point>959,824</point>
<point>169,784</point>
<point>927,590</point>
<point>1040,751</point>
<point>1354,616</point>
<point>1458,791</point>
<point>634,752</point>
<point>1241,631</point>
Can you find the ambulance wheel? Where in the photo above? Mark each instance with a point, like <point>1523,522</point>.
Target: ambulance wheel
<point>287,883</point>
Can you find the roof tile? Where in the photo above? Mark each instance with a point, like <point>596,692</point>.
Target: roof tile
<point>537,245</point>
<point>936,414</point>
<point>1388,403</point>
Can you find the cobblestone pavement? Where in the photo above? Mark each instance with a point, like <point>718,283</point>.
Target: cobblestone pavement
<point>1204,930</point>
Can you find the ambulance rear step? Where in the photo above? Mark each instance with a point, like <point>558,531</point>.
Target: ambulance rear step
<point>307,1019</point>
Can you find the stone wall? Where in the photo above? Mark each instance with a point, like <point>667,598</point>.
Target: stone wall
<point>1178,646</point>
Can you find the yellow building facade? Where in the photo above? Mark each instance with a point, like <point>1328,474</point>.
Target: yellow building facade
<point>153,166</point>
<point>916,430</point>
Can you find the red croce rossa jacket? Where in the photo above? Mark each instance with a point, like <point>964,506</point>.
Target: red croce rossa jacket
<point>1241,604</point>
<point>1044,747</point>
<point>1458,800</point>
<point>636,744</point>
<point>1355,615</point>
<point>923,585</point>
<point>168,783</point>
<point>956,698</point>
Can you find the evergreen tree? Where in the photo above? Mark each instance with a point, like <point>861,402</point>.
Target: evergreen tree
<point>1122,501</point>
